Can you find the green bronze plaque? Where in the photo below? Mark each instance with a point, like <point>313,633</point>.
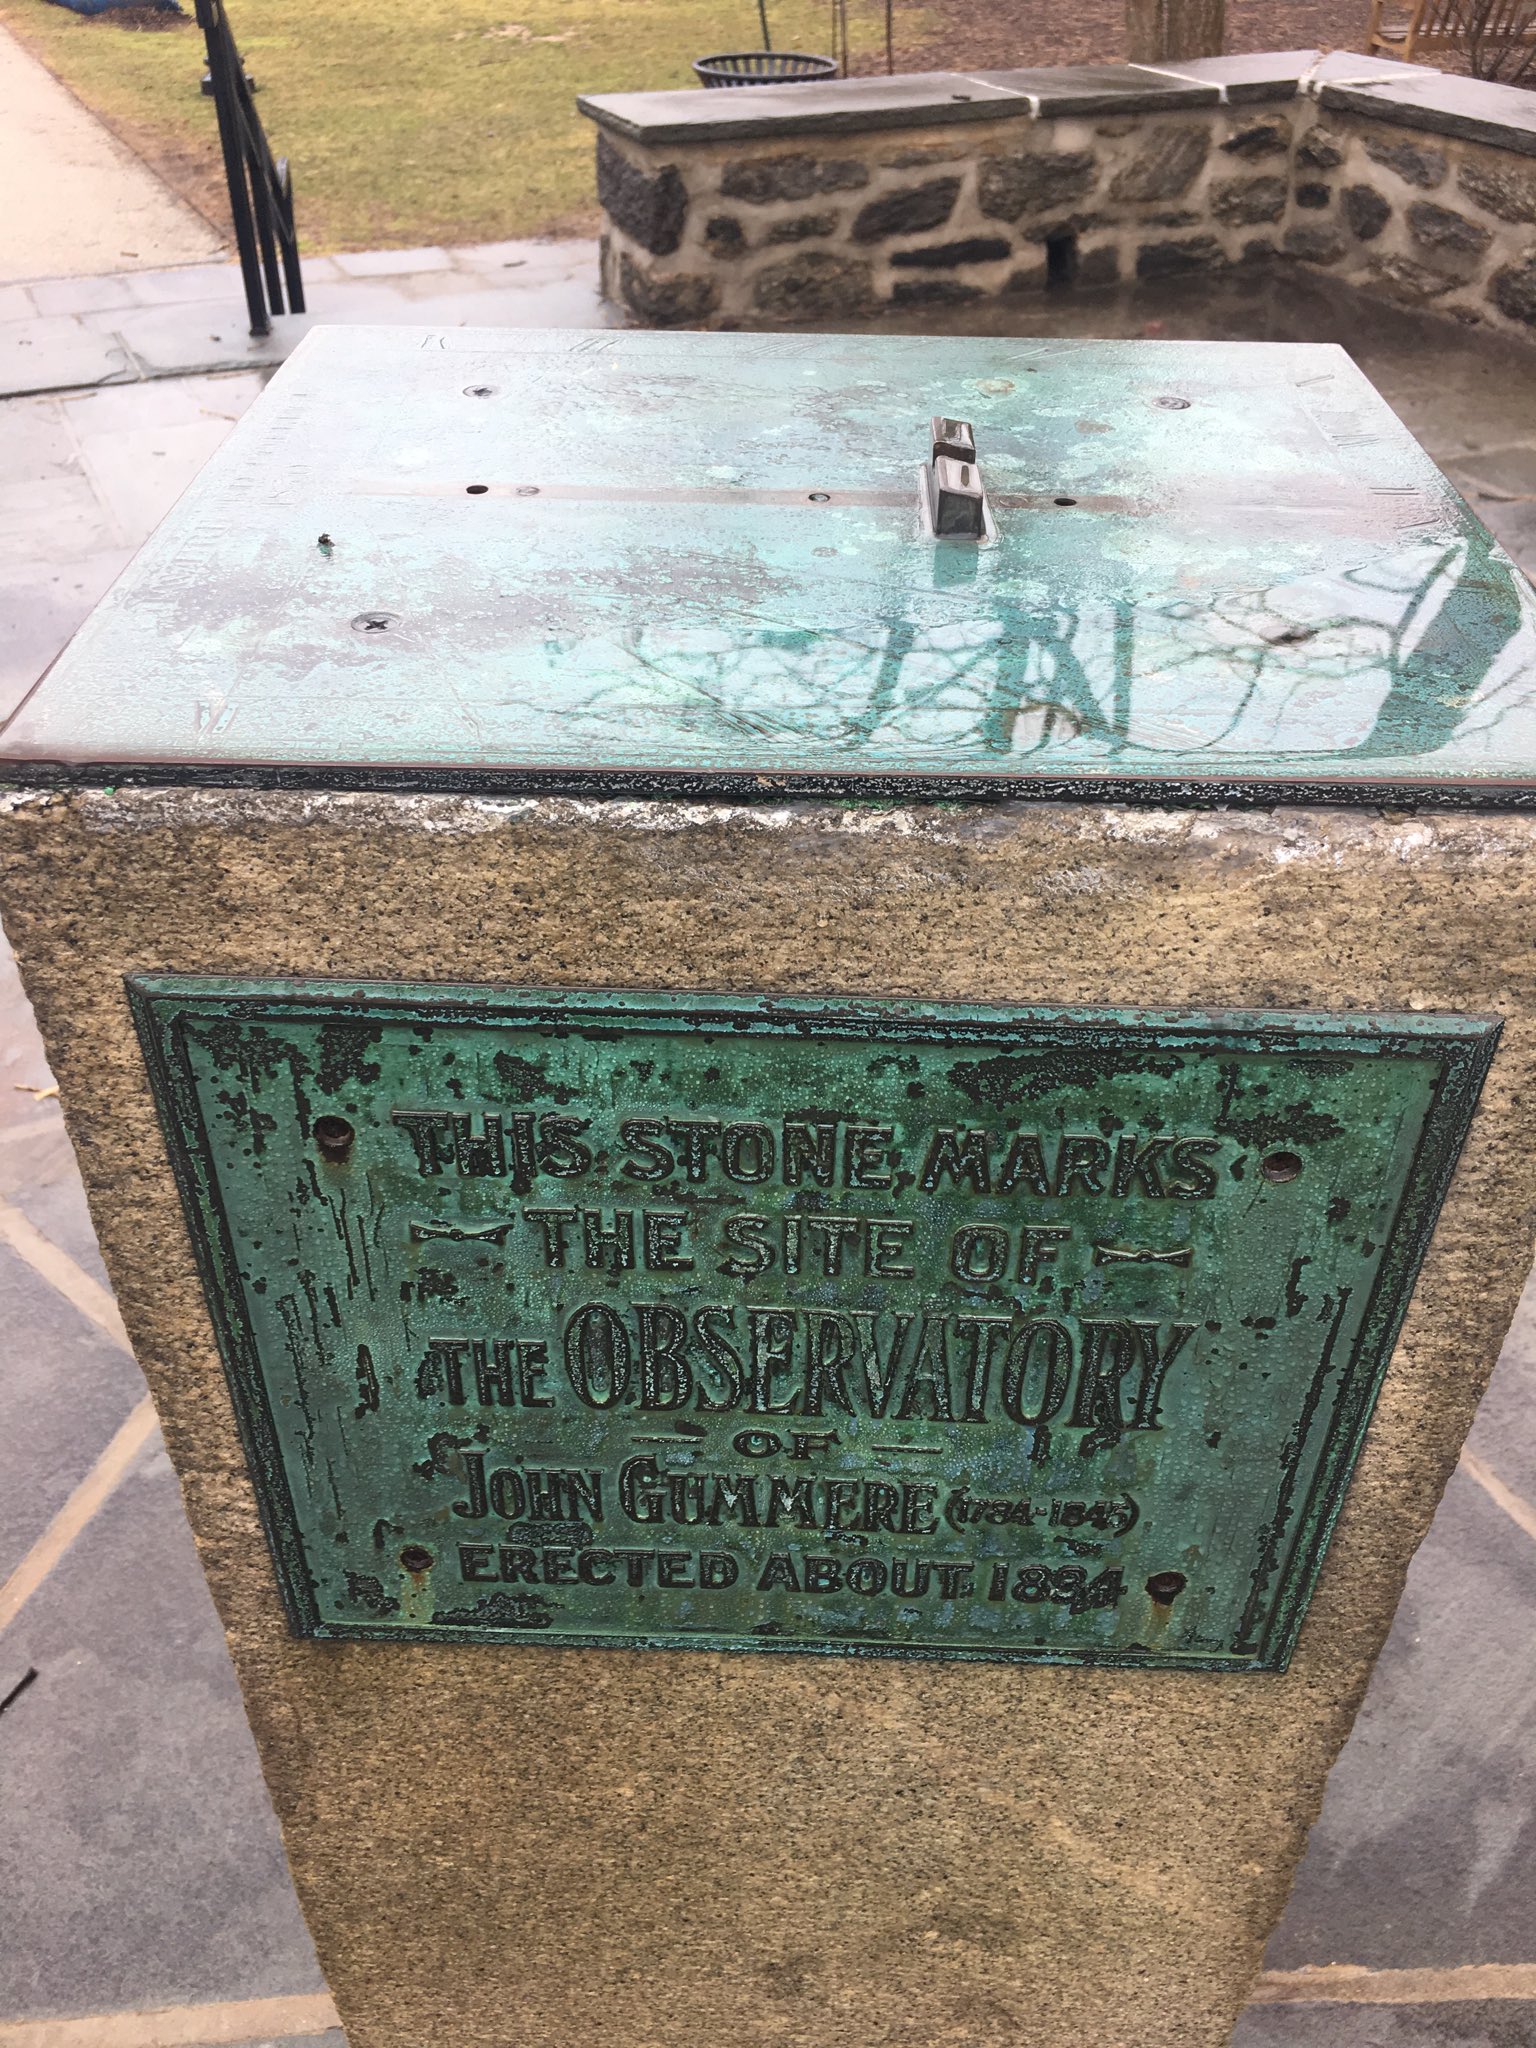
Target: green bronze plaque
<point>767,1323</point>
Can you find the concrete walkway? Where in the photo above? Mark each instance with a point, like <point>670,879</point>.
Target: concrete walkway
<point>76,201</point>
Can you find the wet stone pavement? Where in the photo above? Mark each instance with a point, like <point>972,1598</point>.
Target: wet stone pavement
<point>140,1868</point>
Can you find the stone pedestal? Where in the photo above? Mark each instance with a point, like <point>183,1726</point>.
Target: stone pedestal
<point>234,781</point>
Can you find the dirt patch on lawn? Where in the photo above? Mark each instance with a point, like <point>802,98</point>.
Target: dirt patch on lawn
<point>195,174</point>
<point>151,18</point>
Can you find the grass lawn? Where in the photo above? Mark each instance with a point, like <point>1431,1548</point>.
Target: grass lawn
<point>416,121</point>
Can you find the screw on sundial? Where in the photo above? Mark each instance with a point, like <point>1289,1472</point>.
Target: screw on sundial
<point>375,622</point>
<point>952,488</point>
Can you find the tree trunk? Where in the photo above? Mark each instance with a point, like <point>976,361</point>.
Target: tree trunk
<point>1158,31</point>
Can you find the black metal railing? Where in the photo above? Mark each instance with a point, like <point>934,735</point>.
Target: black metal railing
<point>260,189</point>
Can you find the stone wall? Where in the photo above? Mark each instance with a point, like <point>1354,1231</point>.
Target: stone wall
<point>836,202</point>
<point>1430,220</point>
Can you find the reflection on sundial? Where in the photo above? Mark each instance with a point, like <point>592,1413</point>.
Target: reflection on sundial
<point>703,557</point>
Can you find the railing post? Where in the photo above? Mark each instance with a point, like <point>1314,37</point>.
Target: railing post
<point>260,191</point>
<point>290,241</point>
<point>210,19</point>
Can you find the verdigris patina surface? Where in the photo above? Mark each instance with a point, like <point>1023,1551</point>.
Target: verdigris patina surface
<point>868,1326</point>
<point>1222,573</point>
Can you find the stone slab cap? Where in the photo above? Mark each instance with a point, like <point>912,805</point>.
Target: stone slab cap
<point>937,98</point>
<point>1102,89</point>
<point>913,100</point>
<point>1415,95</point>
<point>1351,64</point>
<point>1471,108</point>
<point>1252,76</point>
<point>1500,114</point>
<point>1222,573</point>
<point>828,106</point>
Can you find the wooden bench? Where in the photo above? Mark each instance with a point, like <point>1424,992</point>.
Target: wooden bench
<point>1426,27</point>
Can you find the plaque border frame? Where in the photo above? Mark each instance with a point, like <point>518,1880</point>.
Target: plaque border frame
<point>1272,1619</point>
